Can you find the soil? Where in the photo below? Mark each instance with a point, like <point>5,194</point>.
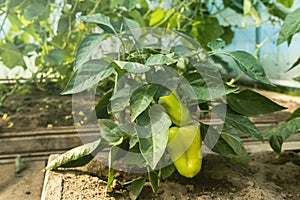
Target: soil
<point>221,178</point>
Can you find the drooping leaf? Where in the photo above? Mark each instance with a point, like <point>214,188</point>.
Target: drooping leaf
<point>158,59</point>
<point>72,155</point>
<point>136,187</point>
<point>54,57</point>
<point>103,21</point>
<point>110,131</point>
<point>243,124</point>
<point>132,67</point>
<point>231,146</point>
<point>154,180</point>
<point>294,65</point>
<point>167,171</point>
<point>249,65</point>
<point>91,72</point>
<point>216,44</point>
<point>86,49</point>
<point>278,134</point>
<point>152,129</point>
<point>141,99</point>
<point>290,26</point>
<point>248,102</point>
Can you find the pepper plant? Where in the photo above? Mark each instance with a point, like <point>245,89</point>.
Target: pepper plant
<point>158,88</point>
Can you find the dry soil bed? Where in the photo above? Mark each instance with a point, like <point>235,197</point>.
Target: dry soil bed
<point>221,178</point>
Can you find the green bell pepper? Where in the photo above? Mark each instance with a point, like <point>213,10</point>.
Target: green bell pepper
<point>178,112</point>
<point>184,147</point>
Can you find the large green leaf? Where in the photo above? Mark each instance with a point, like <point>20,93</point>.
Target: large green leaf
<point>243,124</point>
<point>132,67</point>
<point>249,65</point>
<point>278,134</point>
<point>248,102</point>
<point>152,129</point>
<point>141,99</point>
<point>231,146</point>
<point>88,75</point>
<point>86,49</point>
<point>290,26</point>
<point>73,155</point>
<point>295,114</point>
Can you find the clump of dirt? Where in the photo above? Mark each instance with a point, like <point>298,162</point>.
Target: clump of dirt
<point>221,178</point>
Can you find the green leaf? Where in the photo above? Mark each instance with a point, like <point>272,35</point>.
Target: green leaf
<point>278,134</point>
<point>216,44</point>
<point>130,24</point>
<point>141,99</point>
<point>297,78</point>
<point>181,51</point>
<point>276,142</point>
<point>286,3</point>
<point>91,72</point>
<point>290,26</point>
<point>86,48</point>
<point>248,102</point>
<point>72,155</point>
<point>231,146</point>
<point>136,187</point>
<point>132,67</point>
<point>294,65</point>
<point>111,157</point>
<point>154,180</point>
<point>152,129</point>
<point>110,131</point>
<point>158,59</point>
<point>11,56</point>
<point>101,107</point>
<point>249,65</point>
<point>54,57</point>
<point>36,10</point>
<point>295,114</point>
<point>79,162</point>
<point>103,21</point>
<point>157,16</point>
<point>243,124</point>
<point>167,171</point>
